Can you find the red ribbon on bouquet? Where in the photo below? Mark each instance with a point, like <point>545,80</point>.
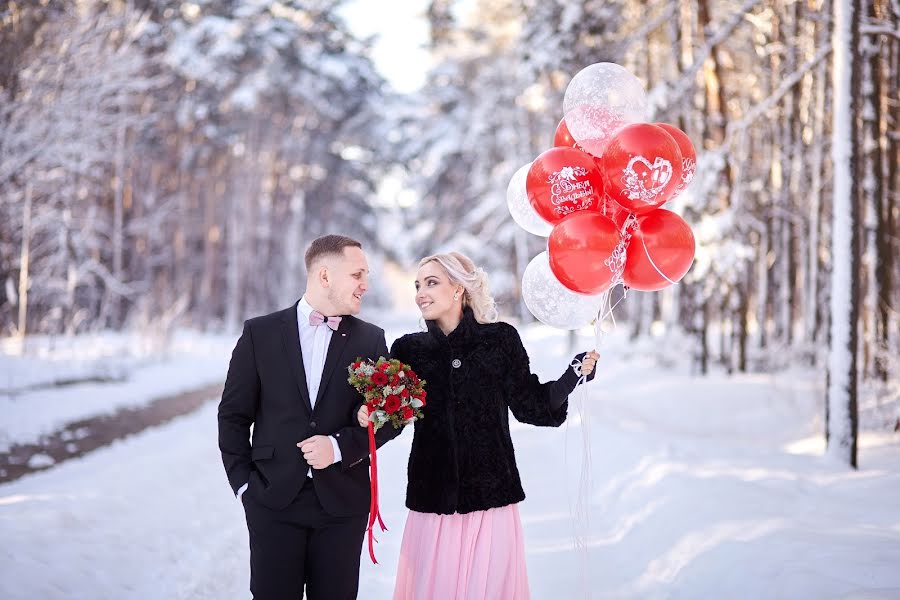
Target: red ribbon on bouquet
<point>395,394</point>
<point>374,512</point>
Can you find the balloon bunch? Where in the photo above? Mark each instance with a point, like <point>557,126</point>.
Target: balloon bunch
<point>597,196</point>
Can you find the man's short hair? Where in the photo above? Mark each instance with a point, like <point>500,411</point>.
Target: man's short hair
<point>328,244</point>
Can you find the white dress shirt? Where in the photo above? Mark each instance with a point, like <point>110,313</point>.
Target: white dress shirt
<point>314,341</point>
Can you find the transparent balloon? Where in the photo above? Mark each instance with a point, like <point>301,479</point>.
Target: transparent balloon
<point>601,99</point>
<point>520,207</point>
<point>551,302</point>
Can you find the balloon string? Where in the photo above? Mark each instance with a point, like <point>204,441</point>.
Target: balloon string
<point>653,264</point>
<point>581,522</point>
<point>581,516</point>
<point>606,311</point>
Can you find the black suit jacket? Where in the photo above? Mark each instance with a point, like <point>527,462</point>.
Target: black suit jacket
<point>266,388</point>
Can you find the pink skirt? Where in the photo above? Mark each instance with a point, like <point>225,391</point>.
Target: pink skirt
<point>475,556</point>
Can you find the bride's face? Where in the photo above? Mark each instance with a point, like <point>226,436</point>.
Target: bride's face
<point>434,292</point>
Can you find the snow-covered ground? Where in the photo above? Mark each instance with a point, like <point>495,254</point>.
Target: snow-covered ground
<point>108,371</point>
<point>699,488</point>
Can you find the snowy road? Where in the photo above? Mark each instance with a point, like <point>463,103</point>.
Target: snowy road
<point>700,489</point>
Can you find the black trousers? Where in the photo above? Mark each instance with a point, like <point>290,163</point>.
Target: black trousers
<point>303,546</point>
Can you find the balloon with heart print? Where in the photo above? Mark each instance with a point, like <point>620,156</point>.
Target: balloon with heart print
<point>580,248</point>
<point>562,138</point>
<point>660,252</point>
<point>562,181</point>
<point>641,167</point>
<point>520,208</point>
<point>601,99</point>
<point>688,156</point>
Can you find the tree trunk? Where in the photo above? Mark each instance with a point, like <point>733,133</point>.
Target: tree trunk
<point>234,237</point>
<point>841,415</point>
<point>762,314</point>
<point>812,318</point>
<point>887,240</point>
<point>743,314</point>
<point>875,144</point>
<point>703,333</point>
<point>292,285</point>
<point>24,261</point>
<point>115,300</point>
<point>872,189</point>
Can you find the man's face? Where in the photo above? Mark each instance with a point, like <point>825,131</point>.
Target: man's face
<point>348,280</point>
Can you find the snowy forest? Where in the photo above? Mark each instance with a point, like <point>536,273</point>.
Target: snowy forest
<point>165,163</point>
<point>157,156</point>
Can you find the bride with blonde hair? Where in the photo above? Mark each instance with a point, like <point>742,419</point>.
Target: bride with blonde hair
<point>463,536</point>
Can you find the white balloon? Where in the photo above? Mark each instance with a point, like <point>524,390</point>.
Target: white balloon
<point>520,208</point>
<point>601,99</point>
<point>551,302</point>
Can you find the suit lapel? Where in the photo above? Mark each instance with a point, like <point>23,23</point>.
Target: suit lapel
<point>335,348</point>
<point>290,336</point>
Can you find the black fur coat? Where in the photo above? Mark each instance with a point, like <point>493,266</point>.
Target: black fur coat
<point>462,457</point>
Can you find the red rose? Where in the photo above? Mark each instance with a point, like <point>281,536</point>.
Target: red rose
<point>395,379</point>
<point>407,413</point>
<point>384,367</point>
<point>379,378</point>
<point>372,405</point>
<point>404,393</point>
<point>391,403</point>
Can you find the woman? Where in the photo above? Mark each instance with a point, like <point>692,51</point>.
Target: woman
<point>463,536</point>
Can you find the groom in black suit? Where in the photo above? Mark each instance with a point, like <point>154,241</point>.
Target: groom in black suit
<point>303,478</point>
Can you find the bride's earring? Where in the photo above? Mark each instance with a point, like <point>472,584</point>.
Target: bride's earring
<point>456,296</point>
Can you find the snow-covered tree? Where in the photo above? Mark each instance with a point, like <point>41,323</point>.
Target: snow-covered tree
<point>179,156</point>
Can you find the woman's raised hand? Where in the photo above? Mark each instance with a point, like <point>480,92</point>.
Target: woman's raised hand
<point>362,416</point>
<point>587,363</point>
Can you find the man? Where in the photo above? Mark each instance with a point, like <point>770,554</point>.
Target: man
<point>304,479</point>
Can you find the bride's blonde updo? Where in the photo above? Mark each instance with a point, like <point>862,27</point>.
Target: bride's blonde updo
<point>462,271</point>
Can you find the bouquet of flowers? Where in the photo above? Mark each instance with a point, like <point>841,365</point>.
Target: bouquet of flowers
<point>393,394</point>
<point>392,390</point>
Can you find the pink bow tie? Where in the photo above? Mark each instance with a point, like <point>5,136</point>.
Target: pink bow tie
<point>316,318</point>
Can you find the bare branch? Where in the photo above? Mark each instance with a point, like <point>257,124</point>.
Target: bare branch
<point>879,29</point>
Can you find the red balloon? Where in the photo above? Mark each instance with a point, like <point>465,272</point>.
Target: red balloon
<point>688,156</point>
<point>562,181</point>
<point>641,167</point>
<point>660,252</point>
<point>579,247</point>
<point>611,210</point>
<point>562,138</point>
